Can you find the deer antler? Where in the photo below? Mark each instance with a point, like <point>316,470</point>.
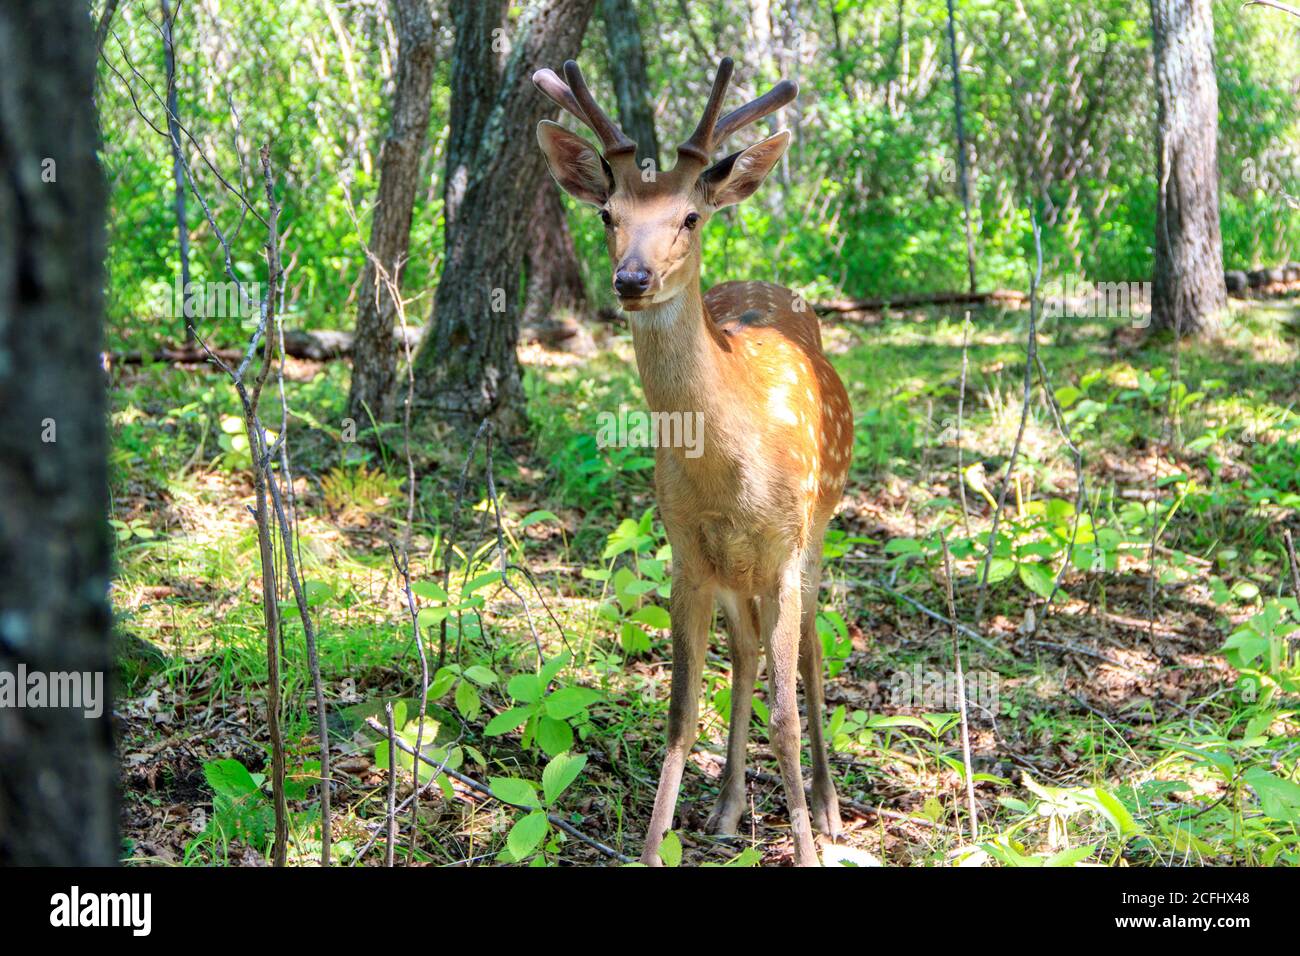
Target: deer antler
<point>711,132</point>
<point>576,98</point>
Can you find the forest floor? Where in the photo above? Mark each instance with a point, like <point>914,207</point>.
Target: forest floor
<point>1111,727</point>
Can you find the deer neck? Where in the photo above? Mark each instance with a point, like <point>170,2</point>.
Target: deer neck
<point>677,353</point>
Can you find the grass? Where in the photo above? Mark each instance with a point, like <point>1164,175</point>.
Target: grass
<point>1123,730</point>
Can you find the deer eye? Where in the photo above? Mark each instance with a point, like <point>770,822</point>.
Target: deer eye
<point>692,220</point>
<point>605,217</point>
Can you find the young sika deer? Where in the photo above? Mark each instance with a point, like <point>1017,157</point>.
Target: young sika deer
<point>747,517</point>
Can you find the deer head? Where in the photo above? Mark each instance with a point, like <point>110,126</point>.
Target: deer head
<point>653,219</point>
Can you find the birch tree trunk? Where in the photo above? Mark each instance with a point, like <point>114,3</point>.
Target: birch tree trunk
<point>1188,291</point>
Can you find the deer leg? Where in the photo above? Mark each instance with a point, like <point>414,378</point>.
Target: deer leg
<point>742,641</point>
<point>825,803</point>
<point>780,614</point>
<point>691,609</point>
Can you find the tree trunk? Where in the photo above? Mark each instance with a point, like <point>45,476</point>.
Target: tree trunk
<point>631,83</point>
<point>962,168</point>
<point>178,168</point>
<point>1188,292</point>
<point>467,369</point>
<point>58,801</point>
<point>554,278</point>
<point>373,357</point>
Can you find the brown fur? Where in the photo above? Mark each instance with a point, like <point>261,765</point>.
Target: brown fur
<point>746,518</point>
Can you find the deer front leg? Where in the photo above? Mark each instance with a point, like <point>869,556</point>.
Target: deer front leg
<point>742,641</point>
<point>781,624</point>
<point>691,609</point>
<point>825,803</point>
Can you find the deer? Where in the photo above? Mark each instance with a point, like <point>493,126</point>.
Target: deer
<point>747,517</point>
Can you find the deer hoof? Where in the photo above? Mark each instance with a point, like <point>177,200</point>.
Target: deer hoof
<point>826,812</point>
<point>725,818</point>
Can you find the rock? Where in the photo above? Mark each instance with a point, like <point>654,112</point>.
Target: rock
<point>1235,281</point>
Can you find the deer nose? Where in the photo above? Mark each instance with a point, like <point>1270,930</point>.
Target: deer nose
<point>631,282</point>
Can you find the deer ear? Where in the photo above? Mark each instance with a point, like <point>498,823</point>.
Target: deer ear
<point>730,180</point>
<point>577,167</point>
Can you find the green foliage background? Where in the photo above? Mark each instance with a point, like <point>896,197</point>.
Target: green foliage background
<point>1060,113</point>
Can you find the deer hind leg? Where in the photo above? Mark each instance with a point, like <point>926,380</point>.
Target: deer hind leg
<point>780,617</point>
<point>691,608</point>
<point>742,641</point>
<point>825,803</point>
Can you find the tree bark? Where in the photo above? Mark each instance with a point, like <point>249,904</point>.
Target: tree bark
<point>373,357</point>
<point>631,81</point>
<point>1188,291</point>
<point>178,169</point>
<point>58,802</point>
<point>467,368</point>
<point>963,169</point>
<point>554,278</point>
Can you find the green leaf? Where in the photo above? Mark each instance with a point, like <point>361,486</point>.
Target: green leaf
<point>467,700</point>
<point>633,638</point>
<point>430,617</point>
<point>553,667</point>
<point>526,834</point>
<point>507,721</point>
<point>1280,799</point>
<point>898,720</point>
<point>1115,812</point>
<point>568,701</point>
<point>536,517</point>
<point>229,778</point>
<point>442,682</point>
<point>559,774</point>
<point>903,546</point>
<point>670,850</point>
<point>1000,569</point>
<point>514,791</point>
<point>525,688</point>
<point>1037,578</point>
<point>623,538</point>
<point>1067,395</point>
<point>652,616</point>
<point>316,592</point>
<point>481,675</point>
<point>1072,856</point>
<point>430,591</point>
<point>554,736</point>
<point>483,580</point>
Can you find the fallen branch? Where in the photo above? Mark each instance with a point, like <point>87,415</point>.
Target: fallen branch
<point>975,636</point>
<point>961,693</point>
<point>318,345</point>
<point>1295,12</point>
<point>1012,298</point>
